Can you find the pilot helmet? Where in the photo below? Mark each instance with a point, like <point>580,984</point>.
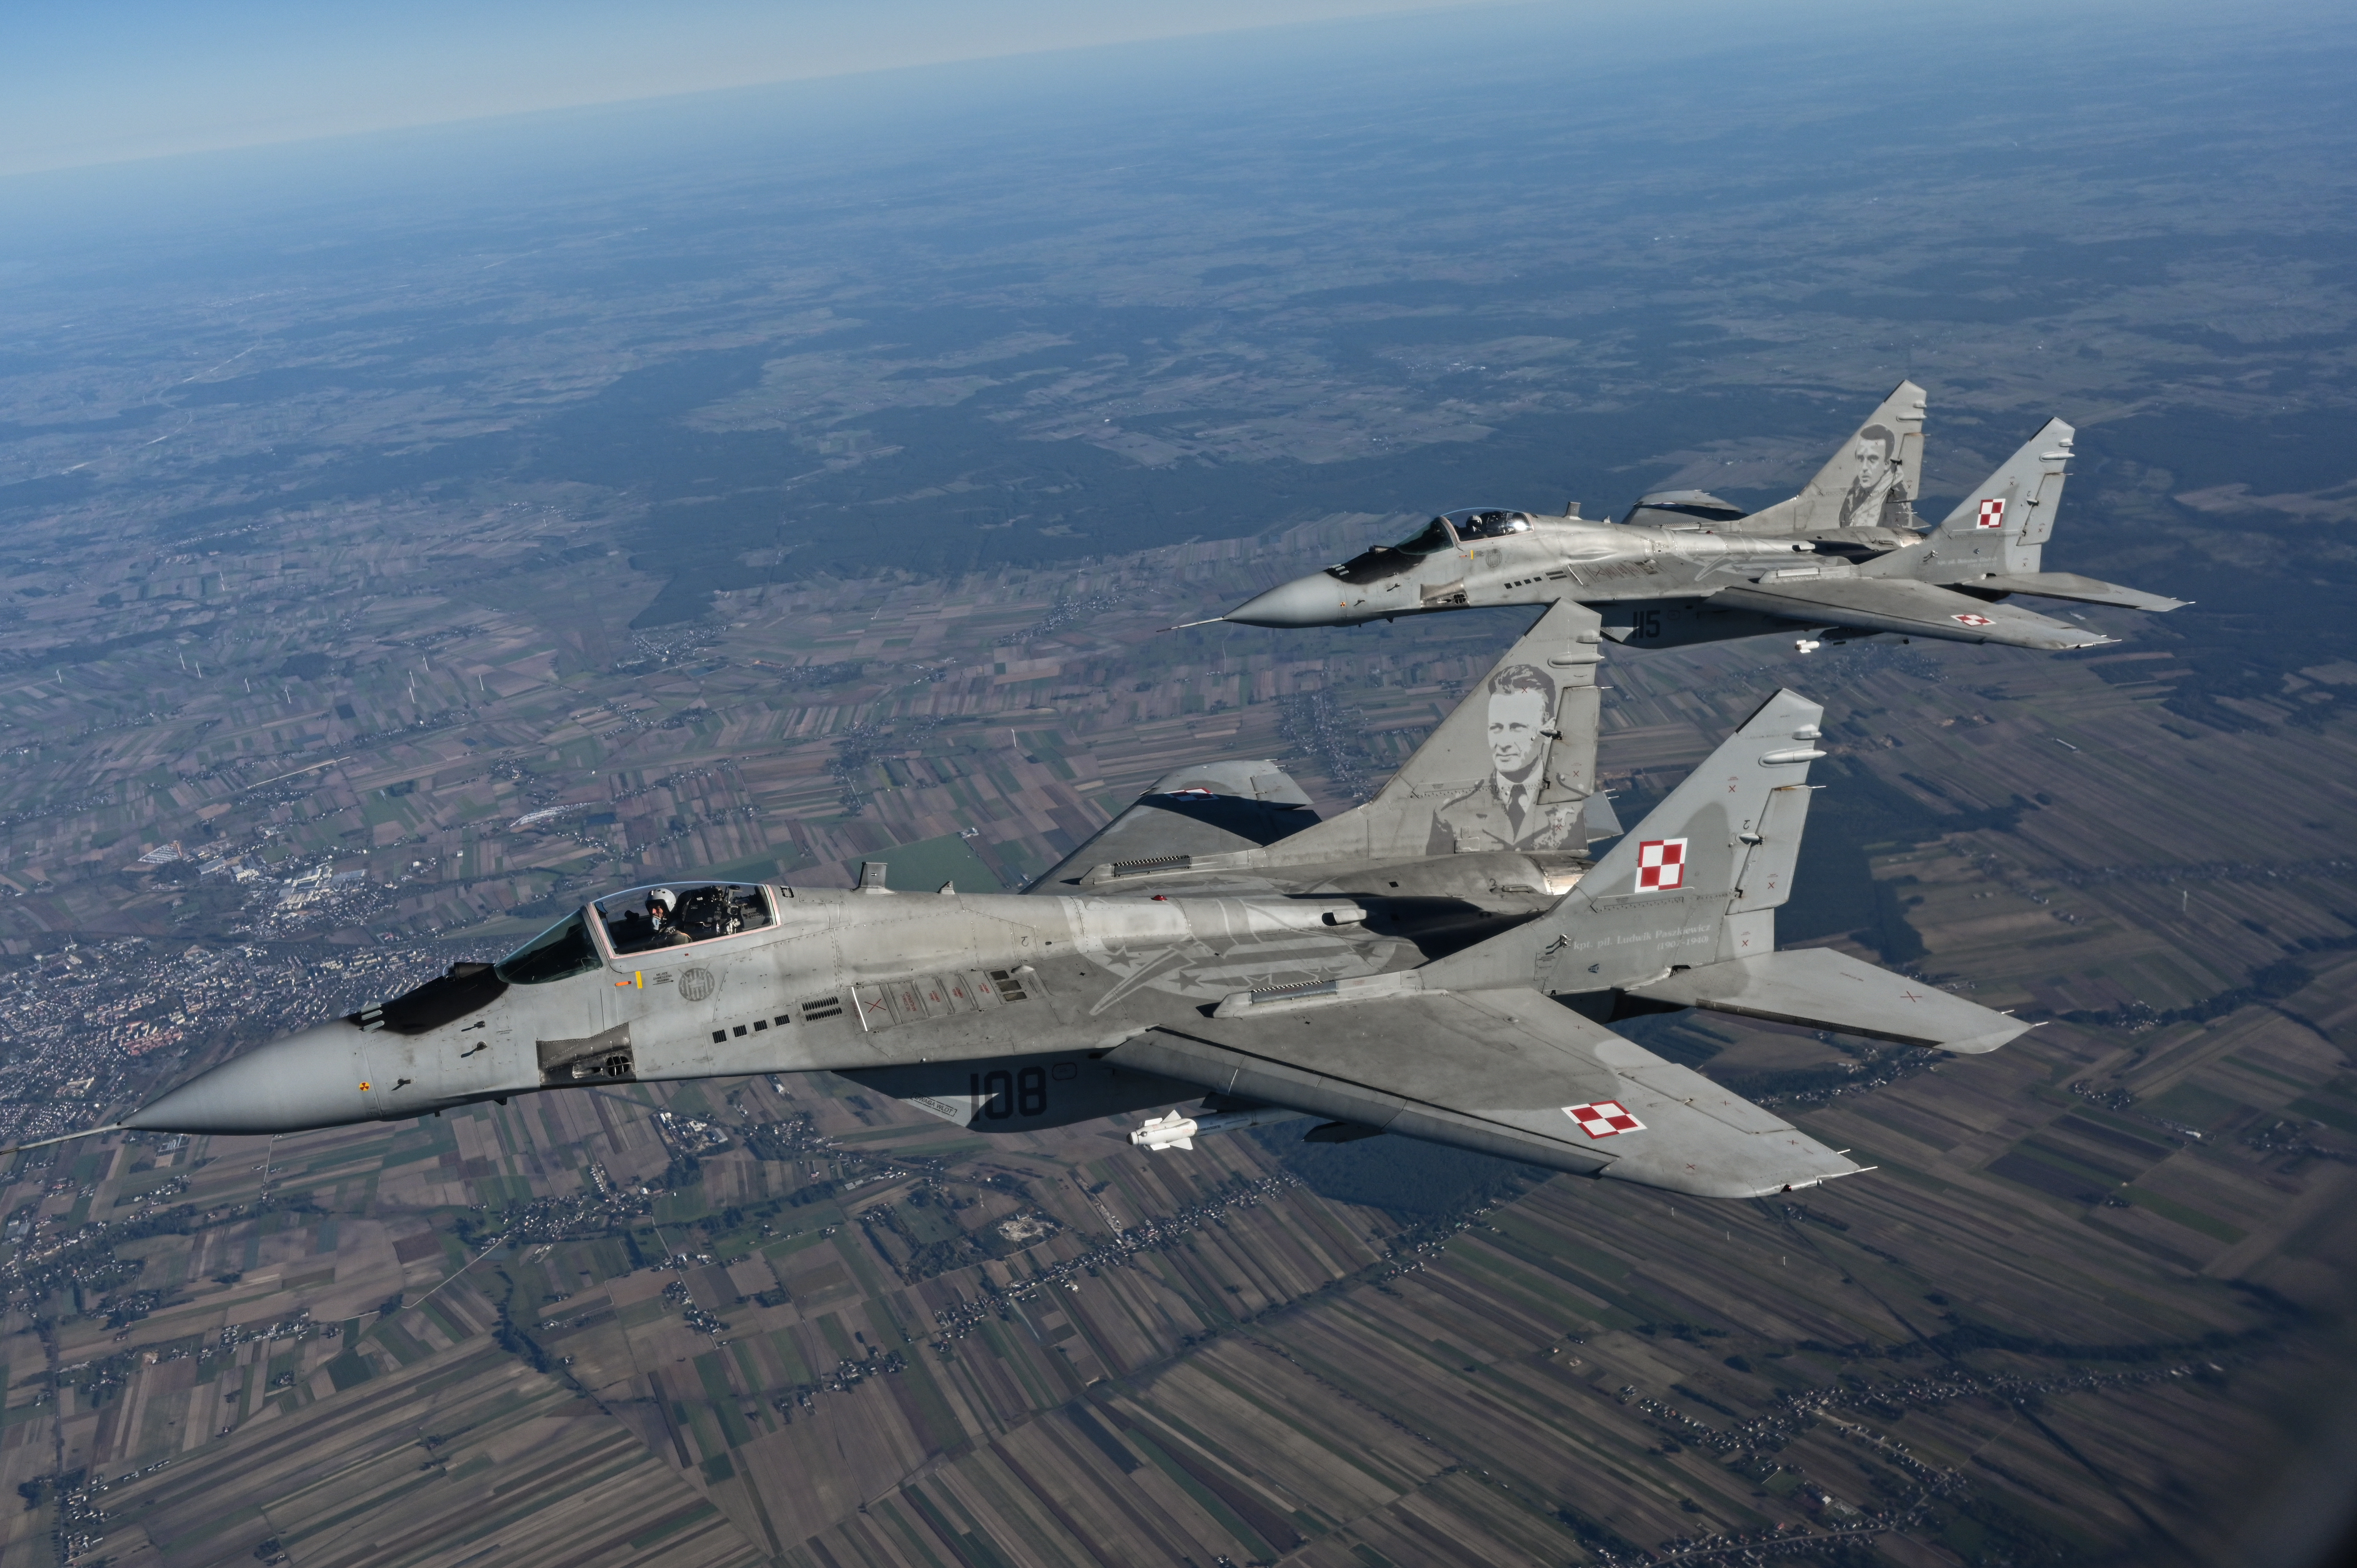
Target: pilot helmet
<point>664,896</point>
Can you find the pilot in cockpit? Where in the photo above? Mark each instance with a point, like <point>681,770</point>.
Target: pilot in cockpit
<point>642,930</point>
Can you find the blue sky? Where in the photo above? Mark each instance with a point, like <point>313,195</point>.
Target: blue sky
<point>95,81</point>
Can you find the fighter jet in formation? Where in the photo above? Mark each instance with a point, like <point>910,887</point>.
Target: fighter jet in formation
<point>1443,962</point>
<point>1844,558</point>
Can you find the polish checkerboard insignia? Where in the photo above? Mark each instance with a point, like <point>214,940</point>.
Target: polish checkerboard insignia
<point>1992,513</point>
<point>1661,865</point>
<point>1604,1119</point>
<point>1972,620</point>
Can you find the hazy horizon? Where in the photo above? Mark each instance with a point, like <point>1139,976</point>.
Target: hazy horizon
<point>95,85</point>
<point>410,534</point>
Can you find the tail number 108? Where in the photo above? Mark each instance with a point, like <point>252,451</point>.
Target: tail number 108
<point>1002,1094</point>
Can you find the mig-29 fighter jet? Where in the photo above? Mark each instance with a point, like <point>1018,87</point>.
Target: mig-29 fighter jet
<point>1842,559</point>
<point>1442,962</point>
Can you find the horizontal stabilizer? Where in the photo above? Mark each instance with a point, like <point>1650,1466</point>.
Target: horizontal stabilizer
<point>1206,808</point>
<point>1603,821</point>
<point>1911,609</point>
<point>1819,988</point>
<point>1242,780</point>
<point>2070,585</point>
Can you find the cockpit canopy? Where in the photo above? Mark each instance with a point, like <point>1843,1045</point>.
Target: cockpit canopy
<point>673,915</point>
<point>559,952</point>
<point>1443,532</point>
<point>1488,522</point>
<point>1390,560</point>
<point>639,920</point>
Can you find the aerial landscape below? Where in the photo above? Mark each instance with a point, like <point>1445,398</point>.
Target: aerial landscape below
<point>410,539</point>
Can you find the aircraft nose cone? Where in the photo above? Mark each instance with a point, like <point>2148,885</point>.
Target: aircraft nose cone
<point>1315,600</point>
<point>316,1078</point>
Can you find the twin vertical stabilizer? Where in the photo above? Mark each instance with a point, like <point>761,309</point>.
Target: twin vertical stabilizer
<point>1683,910</point>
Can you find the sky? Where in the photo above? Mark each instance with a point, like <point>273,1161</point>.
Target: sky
<point>99,82</point>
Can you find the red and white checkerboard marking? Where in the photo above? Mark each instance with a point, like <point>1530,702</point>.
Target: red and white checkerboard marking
<point>1661,865</point>
<point>1992,513</point>
<point>1972,620</point>
<point>1605,1119</point>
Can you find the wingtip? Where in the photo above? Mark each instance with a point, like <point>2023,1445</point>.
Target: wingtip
<point>1828,1175</point>
<point>1981,1045</point>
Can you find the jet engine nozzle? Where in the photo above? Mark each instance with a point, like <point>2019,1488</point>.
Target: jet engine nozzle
<point>1315,600</point>
<point>316,1078</point>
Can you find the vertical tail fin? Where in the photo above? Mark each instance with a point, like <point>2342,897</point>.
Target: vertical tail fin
<point>1871,483</point>
<point>1707,865</point>
<point>1513,766</point>
<point>2003,525</point>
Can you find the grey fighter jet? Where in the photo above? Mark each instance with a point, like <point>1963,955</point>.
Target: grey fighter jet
<point>1442,963</point>
<point>1842,559</point>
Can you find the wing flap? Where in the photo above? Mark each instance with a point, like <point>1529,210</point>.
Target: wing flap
<point>1821,989</point>
<point>1504,1072</point>
<point>2070,585</point>
<point>1902,604</point>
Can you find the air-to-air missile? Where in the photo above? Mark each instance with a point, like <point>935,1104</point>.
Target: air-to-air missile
<point>1845,558</point>
<point>1443,962</point>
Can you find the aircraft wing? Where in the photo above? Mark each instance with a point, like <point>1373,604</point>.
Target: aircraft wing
<point>1904,606</point>
<point>2086,590</point>
<point>1818,988</point>
<point>1504,1072</point>
<point>1206,809</point>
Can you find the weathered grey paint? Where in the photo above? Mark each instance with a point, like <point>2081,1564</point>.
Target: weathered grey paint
<point>1846,555</point>
<point>1369,969</point>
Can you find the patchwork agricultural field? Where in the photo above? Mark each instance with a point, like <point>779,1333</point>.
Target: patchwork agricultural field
<point>2086,1296</point>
